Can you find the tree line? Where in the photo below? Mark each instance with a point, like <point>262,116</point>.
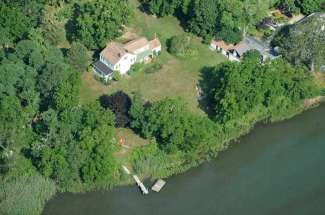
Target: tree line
<point>228,20</point>
<point>304,6</point>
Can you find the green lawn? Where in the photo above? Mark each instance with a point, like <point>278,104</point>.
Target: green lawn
<point>177,77</point>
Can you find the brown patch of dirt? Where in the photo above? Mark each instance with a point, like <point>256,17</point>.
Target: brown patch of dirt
<point>130,34</point>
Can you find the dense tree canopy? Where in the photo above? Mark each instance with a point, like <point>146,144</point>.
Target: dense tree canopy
<point>48,141</point>
<point>228,20</point>
<point>14,24</point>
<point>174,126</point>
<point>163,7</point>
<point>78,57</point>
<point>305,6</point>
<point>304,42</point>
<point>17,18</point>
<point>311,6</point>
<point>235,89</point>
<point>39,103</point>
<point>289,6</point>
<point>77,146</point>
<point>97,22</point>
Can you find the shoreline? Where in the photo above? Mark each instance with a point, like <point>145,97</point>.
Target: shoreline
<point>306,105</point>
<point>269,157</point>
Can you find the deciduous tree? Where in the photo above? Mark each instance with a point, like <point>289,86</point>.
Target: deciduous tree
<point>97,22</point>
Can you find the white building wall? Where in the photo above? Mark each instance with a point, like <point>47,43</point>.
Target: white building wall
<point>224,52</point>
<point>213,46</point>
<point>124,65</point>
<point>157,49</point>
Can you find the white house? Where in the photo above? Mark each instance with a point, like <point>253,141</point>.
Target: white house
<point>121,57</point>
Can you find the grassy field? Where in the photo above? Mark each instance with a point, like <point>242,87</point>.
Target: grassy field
<point>177,77</point>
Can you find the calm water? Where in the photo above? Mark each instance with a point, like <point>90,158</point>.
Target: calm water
<point>276,169</point>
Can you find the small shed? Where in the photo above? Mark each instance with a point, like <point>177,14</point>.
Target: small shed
<point>221,46</point>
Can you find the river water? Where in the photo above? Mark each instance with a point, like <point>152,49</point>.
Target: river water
<point>276,169</point>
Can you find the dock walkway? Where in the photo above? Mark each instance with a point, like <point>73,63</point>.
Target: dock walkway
<point>141,185</point>
<point>137,180</point>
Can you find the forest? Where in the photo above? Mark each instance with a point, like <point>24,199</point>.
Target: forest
<point>50,142</point>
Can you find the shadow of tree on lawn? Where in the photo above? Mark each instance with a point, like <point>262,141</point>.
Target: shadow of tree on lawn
<point>207,82</point>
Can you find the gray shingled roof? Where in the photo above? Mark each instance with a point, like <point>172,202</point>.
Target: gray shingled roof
<point>251,43</point>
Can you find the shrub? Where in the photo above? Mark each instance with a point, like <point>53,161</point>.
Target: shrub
<point>180,45</point>
<point>135,69</point>
<point>267,33</point>
<point>153,68</point>
<point>116,76</point>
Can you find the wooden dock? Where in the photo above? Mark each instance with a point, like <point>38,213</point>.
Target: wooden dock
<point>137,180</point>
<point>158,185</point>
<point>141,185</point>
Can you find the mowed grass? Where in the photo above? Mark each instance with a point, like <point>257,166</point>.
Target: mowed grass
<point>177,77</point>
<point>131,141</point>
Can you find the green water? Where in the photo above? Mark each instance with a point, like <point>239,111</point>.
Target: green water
<point>276,169</point>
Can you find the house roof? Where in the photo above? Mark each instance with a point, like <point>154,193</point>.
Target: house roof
<point>113,52</point>
<point>136,44</point>
<point>223,45</point>
<point>102,68</point>
<point>242,47</point>
<point>155,43</point>
<point>250,43</point>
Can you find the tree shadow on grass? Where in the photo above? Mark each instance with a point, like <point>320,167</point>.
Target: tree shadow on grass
<point>206,85</point>
<point>144,8</point>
